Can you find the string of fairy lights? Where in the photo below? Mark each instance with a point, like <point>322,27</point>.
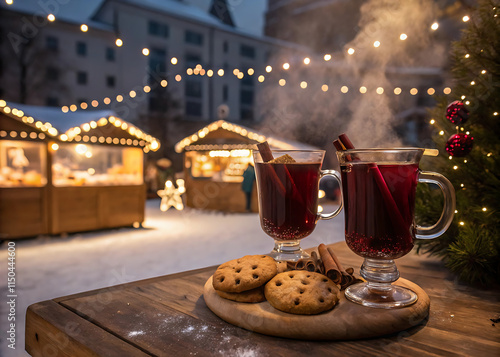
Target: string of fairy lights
<point>220,72</point>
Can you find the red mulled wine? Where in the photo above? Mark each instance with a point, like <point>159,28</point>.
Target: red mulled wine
<point>288,198</point>
<point>372,227</point>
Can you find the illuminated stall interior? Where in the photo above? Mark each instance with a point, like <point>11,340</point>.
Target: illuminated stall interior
<point>70,172</point>
<point>215,158</point>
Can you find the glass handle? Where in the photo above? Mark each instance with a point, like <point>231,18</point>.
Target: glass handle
<point>335,174</point>
<point>448,208</point>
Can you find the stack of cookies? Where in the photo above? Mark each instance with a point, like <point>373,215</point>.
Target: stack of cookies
<point>256,278</point>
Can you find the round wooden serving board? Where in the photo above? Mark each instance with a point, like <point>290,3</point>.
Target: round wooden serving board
<point>347,320</point>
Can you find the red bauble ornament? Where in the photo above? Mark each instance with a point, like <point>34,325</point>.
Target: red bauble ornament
<point>459,145</point>
<point>457,113</point>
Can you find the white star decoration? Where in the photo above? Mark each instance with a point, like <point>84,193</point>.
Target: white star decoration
<point>171,196</point>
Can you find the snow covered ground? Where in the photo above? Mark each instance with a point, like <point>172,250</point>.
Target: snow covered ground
<point>172,241</point>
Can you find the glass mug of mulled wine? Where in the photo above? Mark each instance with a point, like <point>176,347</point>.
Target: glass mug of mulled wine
<point>288,190</point>
<point>378,189</point>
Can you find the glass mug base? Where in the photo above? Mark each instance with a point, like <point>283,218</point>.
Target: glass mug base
<point>288,251</point>
<point>382,296</point>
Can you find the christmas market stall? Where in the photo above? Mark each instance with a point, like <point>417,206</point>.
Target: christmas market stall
<point>69,172</point>
<point>215,159</point>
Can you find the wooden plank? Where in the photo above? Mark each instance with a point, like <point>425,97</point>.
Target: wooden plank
<point>168,316</point>
<point>52,330</point>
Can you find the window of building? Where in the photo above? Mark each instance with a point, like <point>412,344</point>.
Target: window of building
<point>225,93</point>
<point>192,59</point>
<point>247,95</point>
<point>193,109</point>
<point>194,96</point>
<point>158,29</point>
<point>52,73</point>
<point>194,38</point>
<point>157,64</point>
<point>247,51</point>
<point>225,47</point>
<point>81,48</point>
<point>52,102</point>
<point>110,54</point>
<point>52,43</point>
<point>81,77</point>
<point>193,89</point>
<point>110,81</point>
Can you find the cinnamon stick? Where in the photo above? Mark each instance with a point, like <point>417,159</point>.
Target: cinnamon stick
<point>265,151</point>
<point>313,264</point>
<point>391,205</point>
<point>346,277</point>
<point>331,269</point>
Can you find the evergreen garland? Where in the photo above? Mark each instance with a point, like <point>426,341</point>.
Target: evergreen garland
<point>471,246</point>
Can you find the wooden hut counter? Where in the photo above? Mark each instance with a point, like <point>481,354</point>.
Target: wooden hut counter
<point>215,159</point>
<point>62,173</point>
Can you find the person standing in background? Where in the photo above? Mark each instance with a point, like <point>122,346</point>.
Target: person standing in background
<point>247,185</point>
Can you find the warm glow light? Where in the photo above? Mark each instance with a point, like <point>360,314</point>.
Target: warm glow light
<point>465,18</point>
<point>324,87</point>
<point>321,194</point>
<point>441,132</point>
<point>307,60</point>
<point>327,57</point>
<point>236,71</point>
<point>447,90</point>
<point>350,51</point>
<point>435,26</point>
<point>413,91</point>
<point>484,209</point>
<point>189,71</point>
<point>173,60</point>
<point>118,42</point>
<point>54,146</point>
<point>397,91</point>
<point>431,91</point>
<point>81,149</point>
<point>376,44</point>
<point>250,71</point>
<point>163,83</point>
<point>145,51</point>
<point>303,84</point>
<point>3,103</point>
<point>380,90</point>
<point>65,109</point>
<point>178,78</point>
<point>95,103</point>
<point>432,121</point>
<point>344,89</point>
<point>362,89</point>
<point>119,98</point>
<point>107,100</point>
<point>220,72</point>
<point>132,94</point>
<point>83,105</point>
<point>261,78</point>
<point>210,73</point>
<point>72,107</point>
<point>286,65</point>
<point>51,17</point>
<point>403,37</point>
<point>455,167</point>
<point>9,2</point>
<point>146,89</point>
<point>483,71</point>
<point>472,83</point>
<point>282,82</point>
<point>84,28</point>
<point>240,75</point>
<point>269,69</point>
<point>467,55</point>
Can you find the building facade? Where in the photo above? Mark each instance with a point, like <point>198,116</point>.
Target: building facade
<point>166,64</point>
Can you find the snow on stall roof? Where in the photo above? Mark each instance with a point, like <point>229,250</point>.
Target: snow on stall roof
<point>74,11</point>
<point>61,121</point>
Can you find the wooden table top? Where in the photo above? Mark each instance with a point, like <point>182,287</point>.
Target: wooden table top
<point>167,316</point>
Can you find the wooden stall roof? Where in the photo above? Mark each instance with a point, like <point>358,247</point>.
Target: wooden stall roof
<point>93,126</point>
<point>226,136</point>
